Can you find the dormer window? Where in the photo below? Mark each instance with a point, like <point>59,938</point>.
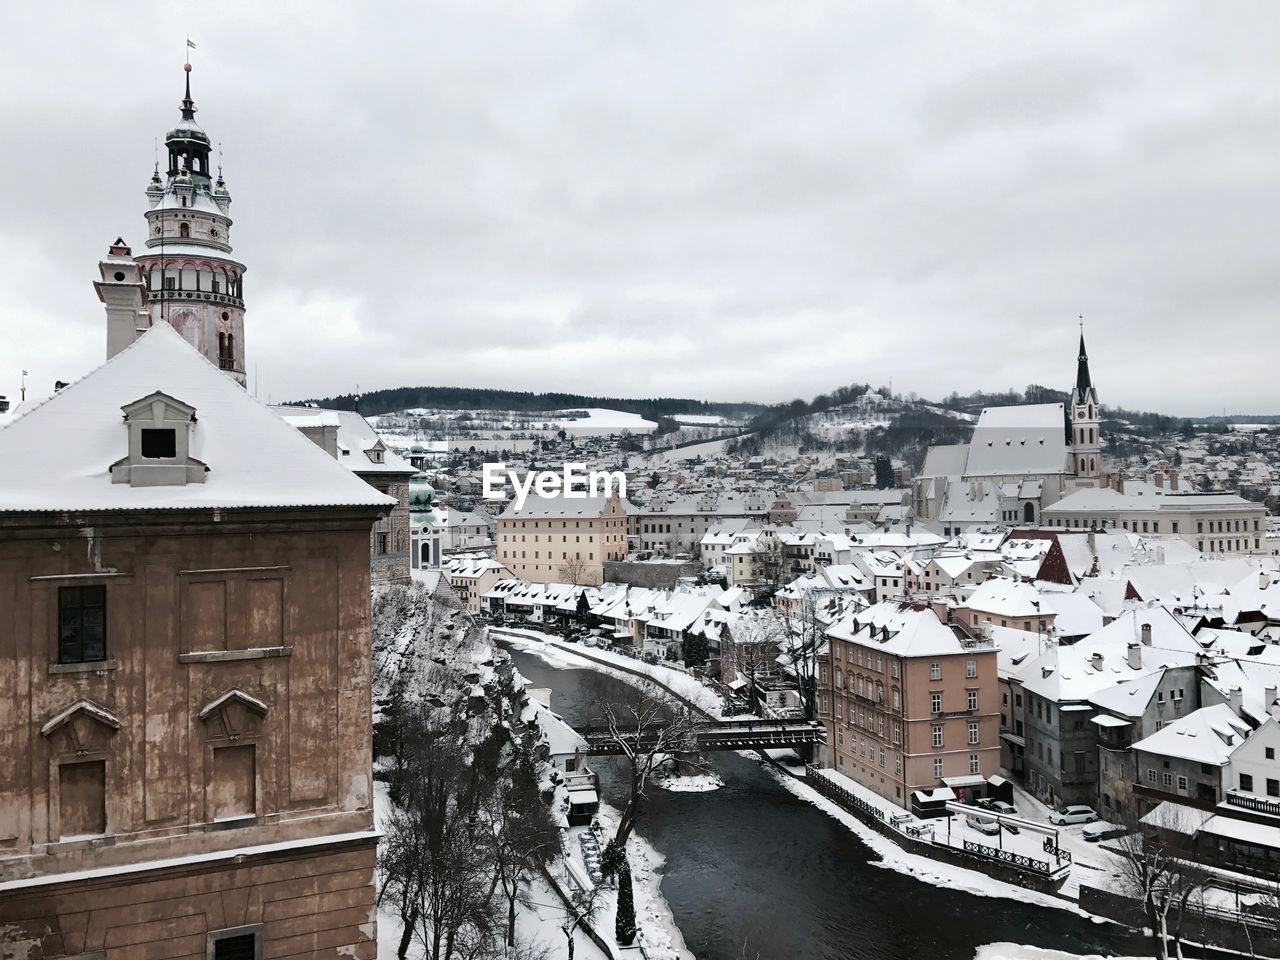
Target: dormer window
<point>159,444</point>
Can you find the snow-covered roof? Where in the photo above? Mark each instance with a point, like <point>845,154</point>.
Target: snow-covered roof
<point>57,455</point>
<point>1018,440</point>
<point>900,629</point>
<point>1208,735</point>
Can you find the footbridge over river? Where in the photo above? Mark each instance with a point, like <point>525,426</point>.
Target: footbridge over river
<point>757,734</point>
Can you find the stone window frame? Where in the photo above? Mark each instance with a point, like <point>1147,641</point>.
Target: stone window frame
<point>220,734</point>
<point>67,750</point>
<point>214,936</point>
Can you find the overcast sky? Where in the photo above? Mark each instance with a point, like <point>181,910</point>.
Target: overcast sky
<point>719,200</point>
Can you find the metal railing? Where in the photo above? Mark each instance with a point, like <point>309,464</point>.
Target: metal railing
<point>1007,856</point>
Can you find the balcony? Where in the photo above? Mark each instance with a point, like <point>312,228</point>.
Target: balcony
<point>195,296</point>
<point>1260,804</point>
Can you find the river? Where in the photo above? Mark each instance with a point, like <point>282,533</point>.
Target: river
<point>751,861</point>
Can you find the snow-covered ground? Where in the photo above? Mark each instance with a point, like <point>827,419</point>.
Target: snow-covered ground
<point>1021,951</point>
<point>561,654</point>
<point>599,420</point>
<point>933,872</point>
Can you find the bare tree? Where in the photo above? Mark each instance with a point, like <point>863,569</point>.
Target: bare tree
<point>647,726</point>
<point>1155,871</point>
<point>573,570</point>
<point>582,908</point>
<point>804,636</point>
<point>749,646</point>
<point>772,563</point>
<point>524,838</point>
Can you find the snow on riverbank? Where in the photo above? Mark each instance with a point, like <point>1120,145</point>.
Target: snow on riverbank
<point>933,872</point>
<point>563,655</point>
<point>657,928</point>
<point>1021,951</point>
<point>673,782</point>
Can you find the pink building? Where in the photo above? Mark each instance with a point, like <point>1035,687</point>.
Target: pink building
<point>909,703</point>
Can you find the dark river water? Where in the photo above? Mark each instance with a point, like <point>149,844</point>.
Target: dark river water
<point>751,861</point>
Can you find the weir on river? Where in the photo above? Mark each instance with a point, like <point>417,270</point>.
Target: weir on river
<point>753,862</point>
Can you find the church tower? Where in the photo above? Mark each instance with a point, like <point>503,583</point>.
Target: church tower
<point>1086,429</point>
<point>192,282</point>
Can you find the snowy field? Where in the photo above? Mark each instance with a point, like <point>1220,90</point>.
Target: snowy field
<point>600,420</point>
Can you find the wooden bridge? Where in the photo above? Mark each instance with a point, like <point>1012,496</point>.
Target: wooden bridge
<point>715,735</point>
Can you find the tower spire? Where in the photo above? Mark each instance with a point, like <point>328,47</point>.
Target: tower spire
<point>1084,383</point>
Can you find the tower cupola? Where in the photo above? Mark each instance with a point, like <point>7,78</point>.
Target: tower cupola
<point>1086,421</point>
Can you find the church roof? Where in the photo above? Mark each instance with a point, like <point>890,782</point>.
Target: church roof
<point>57,455</point>
<point>1018,440</point>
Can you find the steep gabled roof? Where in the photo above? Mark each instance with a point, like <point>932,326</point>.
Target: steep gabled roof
<point>56,456</point>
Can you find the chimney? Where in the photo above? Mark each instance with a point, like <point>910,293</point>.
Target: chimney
<point>1135,656</point>
<point>1159,478</point>
<point>1270,704</point>
<point>1146,634</point>
<point>122,290</point>
<point>1236,700</point>
<point>1119,483</point>
<point>1096,661</point>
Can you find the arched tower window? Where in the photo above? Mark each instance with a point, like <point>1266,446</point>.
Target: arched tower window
<point>1029,513</point>
<point>1091,434</point>
<point>1091,411</point>
<point>184,230</point>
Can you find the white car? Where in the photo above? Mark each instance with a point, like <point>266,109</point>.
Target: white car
<point>982,824</point>
<point>1075,813</point>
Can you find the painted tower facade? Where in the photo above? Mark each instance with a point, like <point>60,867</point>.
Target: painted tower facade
<point>192,281</point>
<point>1086,423</point>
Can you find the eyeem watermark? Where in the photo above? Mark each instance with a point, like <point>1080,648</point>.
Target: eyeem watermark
<point>574,483</point>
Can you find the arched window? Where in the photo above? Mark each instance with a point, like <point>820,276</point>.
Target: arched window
<point>184,230</point>
<point>220,282</point>
<point>1029,513</point>
<point>1091,434</point>
<point>1093,464</point>
<point>206,279</point>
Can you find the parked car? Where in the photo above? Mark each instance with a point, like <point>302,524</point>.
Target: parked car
<point>1102,831</point>
<point>982,824</point>
<point>1002,806</point>
<point>1075,813</point>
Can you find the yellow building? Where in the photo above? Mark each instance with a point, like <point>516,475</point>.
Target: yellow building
<point>563,539</point>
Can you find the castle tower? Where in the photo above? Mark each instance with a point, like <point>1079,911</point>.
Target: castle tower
<point>1086,417</point>
<point>192,282</point>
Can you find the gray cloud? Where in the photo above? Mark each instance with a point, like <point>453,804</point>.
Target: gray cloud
<point>723,200</point>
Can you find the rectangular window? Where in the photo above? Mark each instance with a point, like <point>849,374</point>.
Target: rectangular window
<point>159,444</point>
<point>937,768</point>
<point>1246,782</point>
<point>1270,752</point>
<point>1182,783</point>
<point>937,735</point>
<point>239,943</point>
<point>1167,778</point>
<point>935,671</point>
<point>1151,775</point>
<point>935,702</point>
<point>82,624</point>
<point>973,700</point>
<point>82,799</point>
<point>971,668</point>
<point>1273,787</point>
<point>973,732</point>
<point>973,763</point>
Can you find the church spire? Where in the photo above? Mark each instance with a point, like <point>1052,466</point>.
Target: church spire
<point>1084,383</point>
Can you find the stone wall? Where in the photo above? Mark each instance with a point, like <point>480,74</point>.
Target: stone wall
<point>656,576</point>
<point>314,902</point>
